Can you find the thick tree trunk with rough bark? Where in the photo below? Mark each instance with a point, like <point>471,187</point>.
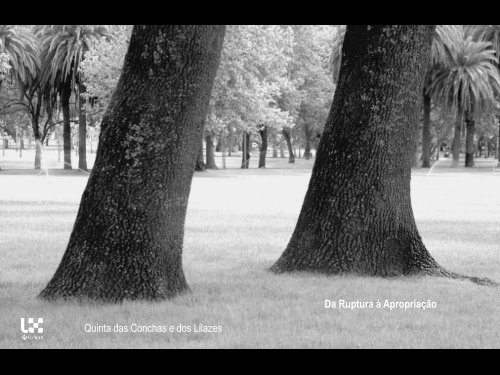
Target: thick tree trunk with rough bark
<point>426,132</point>
<point>263,146</point>
<point>457,138</point>
<point>210,156</point>
<point>286,135</point>
<point>82,130</point>
<point>65,96</point>
<point>245,151</point>
<point>357,215</point>
<point>470,125</point>
<point>127,239</point>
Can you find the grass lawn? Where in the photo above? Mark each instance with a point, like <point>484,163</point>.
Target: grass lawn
<point>238,223</point>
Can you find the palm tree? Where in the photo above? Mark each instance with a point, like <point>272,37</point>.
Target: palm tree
<point>20,50</point>
<point>444,45</point>
<point>489,33</point>
<point>64,47</point>
<point>469,84</point>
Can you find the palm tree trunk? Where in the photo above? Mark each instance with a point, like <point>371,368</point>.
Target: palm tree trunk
<point>457,138</point>
<point>426,133</point>
<point>82,130</point>
<point>469,138</point>
<point>65,96</point>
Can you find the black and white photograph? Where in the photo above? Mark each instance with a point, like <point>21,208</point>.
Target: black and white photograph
<point>249,186</point>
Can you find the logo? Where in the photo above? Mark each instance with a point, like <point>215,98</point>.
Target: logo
<point>31,328</point>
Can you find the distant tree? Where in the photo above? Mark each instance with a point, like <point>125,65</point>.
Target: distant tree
<point>127,239</point>
<point>469,84</point>
<point>490,33</point>
<point>250,82</point>
<point>63,48</point>
<point>445,42</point>
<point>27,93</point>
<point>357,215</point>
<point>101,68</point>
<point>19,50</point>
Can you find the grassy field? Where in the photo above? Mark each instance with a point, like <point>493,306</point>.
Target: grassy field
<point>238,223</point>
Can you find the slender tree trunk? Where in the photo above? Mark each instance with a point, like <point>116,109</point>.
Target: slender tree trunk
<point>357,215</point>
<point>469,138</point>
<point>200,165</point>
<point>282,150</point>
<point>286,135</point>
<point>426,133</point>
<point>263,146</point>
<point>65,96</point>
<point>210,152</point>
<point>275,147</point>
<point>307,149</point>
<point>245,148</point>
<point>82,130</point>
<point>127,239</point>
<point>38,142</point>
<point>38,153</point>
<point>457,138</point>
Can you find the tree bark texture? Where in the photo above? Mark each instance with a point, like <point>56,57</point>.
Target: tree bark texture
<point>357,215</point>
<point>127,239</point>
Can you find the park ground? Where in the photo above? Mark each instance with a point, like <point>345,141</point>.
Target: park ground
<point>238,224</point>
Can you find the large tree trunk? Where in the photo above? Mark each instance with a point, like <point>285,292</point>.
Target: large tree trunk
<point>457,138</point>
<point>426,133</point>
<point>65,96</point>
<point>286,135</point>
<point>82,130</point>
<point>245,148</point>
<point>210,163</point>
<point>469,138</point>
<point>357,215</point>
<point>127,239</point>
<point>263,146</point>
